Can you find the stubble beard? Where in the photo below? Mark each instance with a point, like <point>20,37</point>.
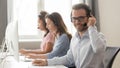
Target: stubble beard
<point>83,29</point>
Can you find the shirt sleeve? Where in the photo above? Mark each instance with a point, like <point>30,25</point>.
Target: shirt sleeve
<point>51,38</point>
<point>66,60</point>
<point>61,47</point>
<point>97,39</point>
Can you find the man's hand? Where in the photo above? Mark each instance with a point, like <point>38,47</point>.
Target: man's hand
<point>91,21</point>
<point>40,62</point>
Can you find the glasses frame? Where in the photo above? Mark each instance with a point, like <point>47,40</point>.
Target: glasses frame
<point>79,19</point>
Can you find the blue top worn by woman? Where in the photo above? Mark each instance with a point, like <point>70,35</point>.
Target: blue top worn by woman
<point>60,48</point>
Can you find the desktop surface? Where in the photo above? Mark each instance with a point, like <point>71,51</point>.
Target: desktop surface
<point>10,62</point>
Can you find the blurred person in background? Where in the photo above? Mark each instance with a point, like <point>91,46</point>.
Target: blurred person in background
<point>48,40</point>
<point>56,25</point>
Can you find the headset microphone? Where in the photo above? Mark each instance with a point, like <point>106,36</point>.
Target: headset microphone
<point>85,24</point>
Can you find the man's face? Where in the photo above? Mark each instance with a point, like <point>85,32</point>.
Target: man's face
<point>79,18</point>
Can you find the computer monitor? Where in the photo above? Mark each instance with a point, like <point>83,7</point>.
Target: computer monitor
<point>11,39</point>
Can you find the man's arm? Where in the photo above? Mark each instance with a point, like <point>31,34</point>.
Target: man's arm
<point>67,60</point>
<point>98,41</point>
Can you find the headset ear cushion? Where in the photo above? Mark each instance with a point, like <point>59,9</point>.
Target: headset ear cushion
<point>54,20</point>
<point>55,23</point>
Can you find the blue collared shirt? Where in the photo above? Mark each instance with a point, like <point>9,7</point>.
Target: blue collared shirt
<point>85,52</point>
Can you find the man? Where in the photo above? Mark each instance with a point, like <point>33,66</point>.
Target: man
<point>87,47</point>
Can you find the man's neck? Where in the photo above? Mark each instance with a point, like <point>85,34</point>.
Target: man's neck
<point>82,32</point>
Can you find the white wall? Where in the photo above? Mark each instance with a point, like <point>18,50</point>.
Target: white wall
<point>110,25</point>
<point>110,20</point>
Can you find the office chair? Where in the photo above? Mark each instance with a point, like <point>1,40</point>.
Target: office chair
<point>72,67</point>
<point>110,54</point>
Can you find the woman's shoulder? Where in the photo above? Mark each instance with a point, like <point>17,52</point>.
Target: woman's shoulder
<point>49,37</point>
<point>63,36</point>
<point>50,34</point>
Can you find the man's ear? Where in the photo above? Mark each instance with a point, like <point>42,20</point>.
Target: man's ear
<point>91,14</point>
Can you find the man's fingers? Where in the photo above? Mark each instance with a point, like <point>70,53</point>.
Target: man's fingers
<point>37,63</point>
<point>40,62</point>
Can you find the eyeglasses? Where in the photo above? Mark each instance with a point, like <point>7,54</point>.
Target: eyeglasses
<point>79,19</point>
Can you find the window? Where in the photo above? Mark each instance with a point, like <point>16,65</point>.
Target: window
<point>28,17</point>
<point>64,8</point>
<point>26,12</point>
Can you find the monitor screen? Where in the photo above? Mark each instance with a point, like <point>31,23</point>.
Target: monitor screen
<point>11,39</point>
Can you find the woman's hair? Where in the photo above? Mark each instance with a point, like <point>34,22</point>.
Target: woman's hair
<point>59,23</point>
<point>42,17</point>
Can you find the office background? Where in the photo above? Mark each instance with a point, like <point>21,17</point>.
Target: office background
<point>109,16</point>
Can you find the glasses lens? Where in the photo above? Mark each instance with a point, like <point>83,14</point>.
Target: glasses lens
<point>79,19</point>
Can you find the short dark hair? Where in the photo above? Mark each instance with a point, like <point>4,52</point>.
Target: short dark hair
<point>82,6</point>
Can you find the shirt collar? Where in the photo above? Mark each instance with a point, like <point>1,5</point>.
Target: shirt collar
<point>85,34</point>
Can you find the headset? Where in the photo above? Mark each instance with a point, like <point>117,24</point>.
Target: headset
<point>54,19</point>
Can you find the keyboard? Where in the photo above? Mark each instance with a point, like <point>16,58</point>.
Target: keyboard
<point>24,59</point>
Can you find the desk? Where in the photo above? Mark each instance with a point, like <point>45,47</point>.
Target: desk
<point>9,62</point>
